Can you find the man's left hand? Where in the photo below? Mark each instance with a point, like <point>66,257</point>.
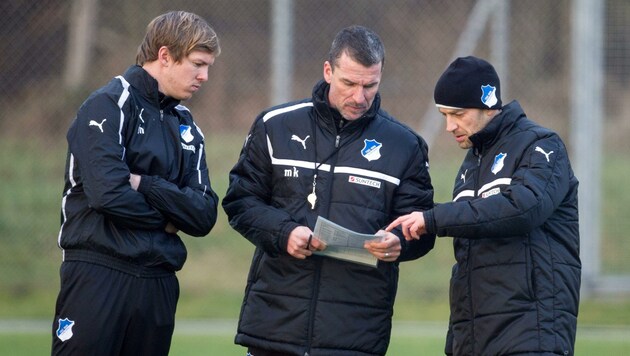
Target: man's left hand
<point>387,248</point>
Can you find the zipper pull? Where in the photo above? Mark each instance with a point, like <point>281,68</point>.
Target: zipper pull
<point>337,141</point>
<point>161,115</point>
<point>478,154</point>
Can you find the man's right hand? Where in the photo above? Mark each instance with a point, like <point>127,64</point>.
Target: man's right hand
<point>134,181</point>
<point>301,243</point>
<point>412,225</point>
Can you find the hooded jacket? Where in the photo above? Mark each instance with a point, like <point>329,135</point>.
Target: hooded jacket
<point>369,171</point>
<point>514,218</point>
<point>129,127</point>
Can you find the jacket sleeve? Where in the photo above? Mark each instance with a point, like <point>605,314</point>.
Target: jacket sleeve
<point>247,202</point>
<point>415,193</point>
<point>192,208</point>
<point>95,143</point>
<point>536,190</point>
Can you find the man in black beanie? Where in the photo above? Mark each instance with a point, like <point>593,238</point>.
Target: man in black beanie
<point>514,218</point>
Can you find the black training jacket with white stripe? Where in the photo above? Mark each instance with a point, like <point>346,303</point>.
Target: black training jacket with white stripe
<point>126,127</point>
<point>515,286</point>
<point>369,171</point>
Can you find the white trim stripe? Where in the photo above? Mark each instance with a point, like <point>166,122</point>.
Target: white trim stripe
<point>199,130</point>
<point>182,108</point>
<point>367,173</point>
<point>301,164</point>
<point>488,186</point>
<point>269,148</point>
<point>448,107</point>
<point>273,113</point>
<point>123,98</point>
<point>63,200</point>
<point>199,162</point>
<point>63,212</point>
<point>338,170</point>
<point>464,193</point>
<point>494,183</point>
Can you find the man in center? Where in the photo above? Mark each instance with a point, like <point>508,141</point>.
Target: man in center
<point>340,156</point>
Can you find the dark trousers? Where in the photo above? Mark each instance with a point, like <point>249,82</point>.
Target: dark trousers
<point>102,311</point>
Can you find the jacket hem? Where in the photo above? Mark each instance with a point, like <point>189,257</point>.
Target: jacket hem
<point>116,264</point>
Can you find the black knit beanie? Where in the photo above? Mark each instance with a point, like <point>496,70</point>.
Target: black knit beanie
<point>468,82</point>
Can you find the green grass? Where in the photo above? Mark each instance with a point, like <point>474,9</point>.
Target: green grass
<point>594,342</point>
<point>193,345</point>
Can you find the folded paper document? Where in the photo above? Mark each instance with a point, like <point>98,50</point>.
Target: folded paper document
<point>343,243</point>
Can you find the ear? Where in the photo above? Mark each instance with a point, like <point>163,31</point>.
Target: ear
<point>492,112</point>
<point>328,72</point>
<point>164,56</point>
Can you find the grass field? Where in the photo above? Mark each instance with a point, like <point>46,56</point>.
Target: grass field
<point>213,279</point>
<point>197,338</point>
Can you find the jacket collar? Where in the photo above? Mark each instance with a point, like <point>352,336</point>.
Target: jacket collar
<point>147,86</point>
<point>503,122</point>
<point>330,117</point>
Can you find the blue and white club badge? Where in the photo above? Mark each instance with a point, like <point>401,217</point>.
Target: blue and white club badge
<point>489,95</point>
<point>185,132</point>
<point>64,331</point>
<point>498,162</point>
<point>371,150</point>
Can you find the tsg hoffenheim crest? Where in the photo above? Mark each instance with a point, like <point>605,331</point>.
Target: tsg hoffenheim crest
<point>488,95</point>
<point>372,150</point>
<point>498,162</point>
<point>64,331</point>
<point>184,130</point>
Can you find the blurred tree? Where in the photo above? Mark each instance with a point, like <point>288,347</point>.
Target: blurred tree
<point>81,28</point>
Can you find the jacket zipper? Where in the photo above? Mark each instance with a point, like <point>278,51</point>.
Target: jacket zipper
<point>319,263</point>
<point>311,321</point>
<point>472,318</point>
<point>165,136</point>
<point>338,138</point>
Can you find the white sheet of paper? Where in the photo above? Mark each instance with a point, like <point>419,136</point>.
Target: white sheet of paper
<point>343,243</point>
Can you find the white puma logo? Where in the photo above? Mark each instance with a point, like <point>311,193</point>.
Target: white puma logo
<point>463,176</point>
<point>303,142</point>
<point>94,123</point>
<point>538,149</point>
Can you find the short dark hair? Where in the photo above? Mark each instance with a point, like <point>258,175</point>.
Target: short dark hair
<point>360,43</point>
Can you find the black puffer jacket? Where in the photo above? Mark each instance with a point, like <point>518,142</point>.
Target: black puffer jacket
<point>515,286</point>
<point>323,306</point>
<point>122,128</point>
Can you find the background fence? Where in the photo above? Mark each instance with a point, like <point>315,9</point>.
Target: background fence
<point>56,52</point>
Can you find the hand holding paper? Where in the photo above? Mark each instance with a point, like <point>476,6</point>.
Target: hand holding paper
<point>302,243</point>
<point>386,248</point>
<point>343,243</point>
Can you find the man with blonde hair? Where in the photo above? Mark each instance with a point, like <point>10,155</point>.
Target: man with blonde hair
<point>135,176</point>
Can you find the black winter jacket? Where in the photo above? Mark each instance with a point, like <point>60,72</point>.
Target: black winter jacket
<point>515,286</point>
<point>128,127</point>
<point>320,305</point>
